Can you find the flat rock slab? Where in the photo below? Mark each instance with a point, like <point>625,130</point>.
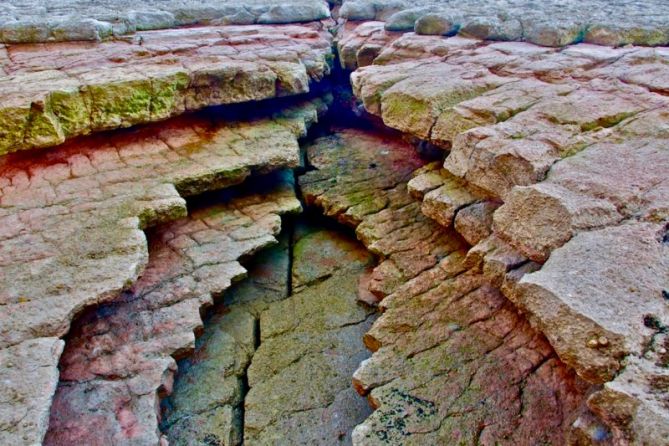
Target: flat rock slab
<point>310,344</point>
<point>72,217</point>
<point>549,22</point>
<point>54,91</point>
<point>360,180</point>
<point>209,389</point>
<point>453,361</point>
<point>31,21</point>
<point>118,358</point>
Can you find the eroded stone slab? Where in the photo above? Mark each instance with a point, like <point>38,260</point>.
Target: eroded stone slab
<point>300,377</point>
<point>54,91</point>
<point>453,360</point>
<point>119,359</point>
<point>30,21</point>
<point>509,111</point>
<point>72,217</point>
<point>550,23</point>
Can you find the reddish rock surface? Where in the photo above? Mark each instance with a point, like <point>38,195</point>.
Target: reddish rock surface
<point>118,360</point>
<point>72,216</point>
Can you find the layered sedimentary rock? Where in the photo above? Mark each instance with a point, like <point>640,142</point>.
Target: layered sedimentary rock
<point>73,218</point>
<point>453,361</point>
<point>556,156</point>
<point>118,360</point>
<point>32,21</point>
<point>550,23</point>
<point>54,91</point>
<point>310,345</point>
<point>209,390</point>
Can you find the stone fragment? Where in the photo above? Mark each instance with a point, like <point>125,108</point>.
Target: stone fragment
<point>598,187</point>
<point>474,222</point>
<point>603,285</point>
<point>442,203</point>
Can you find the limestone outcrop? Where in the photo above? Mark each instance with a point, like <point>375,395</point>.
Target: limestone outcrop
<point>73,219</point>
<point>55,91</point>
<point>453,361</point>
<point>118,360</point>
<point>503,165</point>
<point>556,171</point>
<point>33,21</point>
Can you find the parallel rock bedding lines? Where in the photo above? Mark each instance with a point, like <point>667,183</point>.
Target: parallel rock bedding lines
<point>453,362</point>
<point>117,361</point>
<point>55,91</point>
<point>504,164</point>
<point>73,218</point>
<point>555,170</point>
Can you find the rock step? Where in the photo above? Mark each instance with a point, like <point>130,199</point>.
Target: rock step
<point>576,157</point>
<point>54,91</point>
<point>119,356</point>
<point>72,220</point>
<point>453,360</point>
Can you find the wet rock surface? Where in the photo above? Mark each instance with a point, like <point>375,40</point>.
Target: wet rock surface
<point>55,91</point>
<point>32,21</point>
<point>549,23</point>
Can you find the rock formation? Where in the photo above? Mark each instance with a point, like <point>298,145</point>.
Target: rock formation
<point>503,165</point>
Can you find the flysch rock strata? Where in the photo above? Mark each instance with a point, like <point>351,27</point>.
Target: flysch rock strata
<point>310,345</point>
<point>557,157</point>
<point>549,23</point>
<point>72,221</point>
<point>206,405</point>
<point>32,21</point>
<point>453,361</point>
<point>51,92</point>
<point>118,360</point>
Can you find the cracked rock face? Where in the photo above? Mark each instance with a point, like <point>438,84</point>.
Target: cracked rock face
<point>119,357</point>
<point>310,344</point>
<point>72,217</point>
<point>56,91</point>
<point>550,23</point>
<point>208,398</point>
<point>453,361</point>
<point>557,173</point>
<point>32,21</point>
